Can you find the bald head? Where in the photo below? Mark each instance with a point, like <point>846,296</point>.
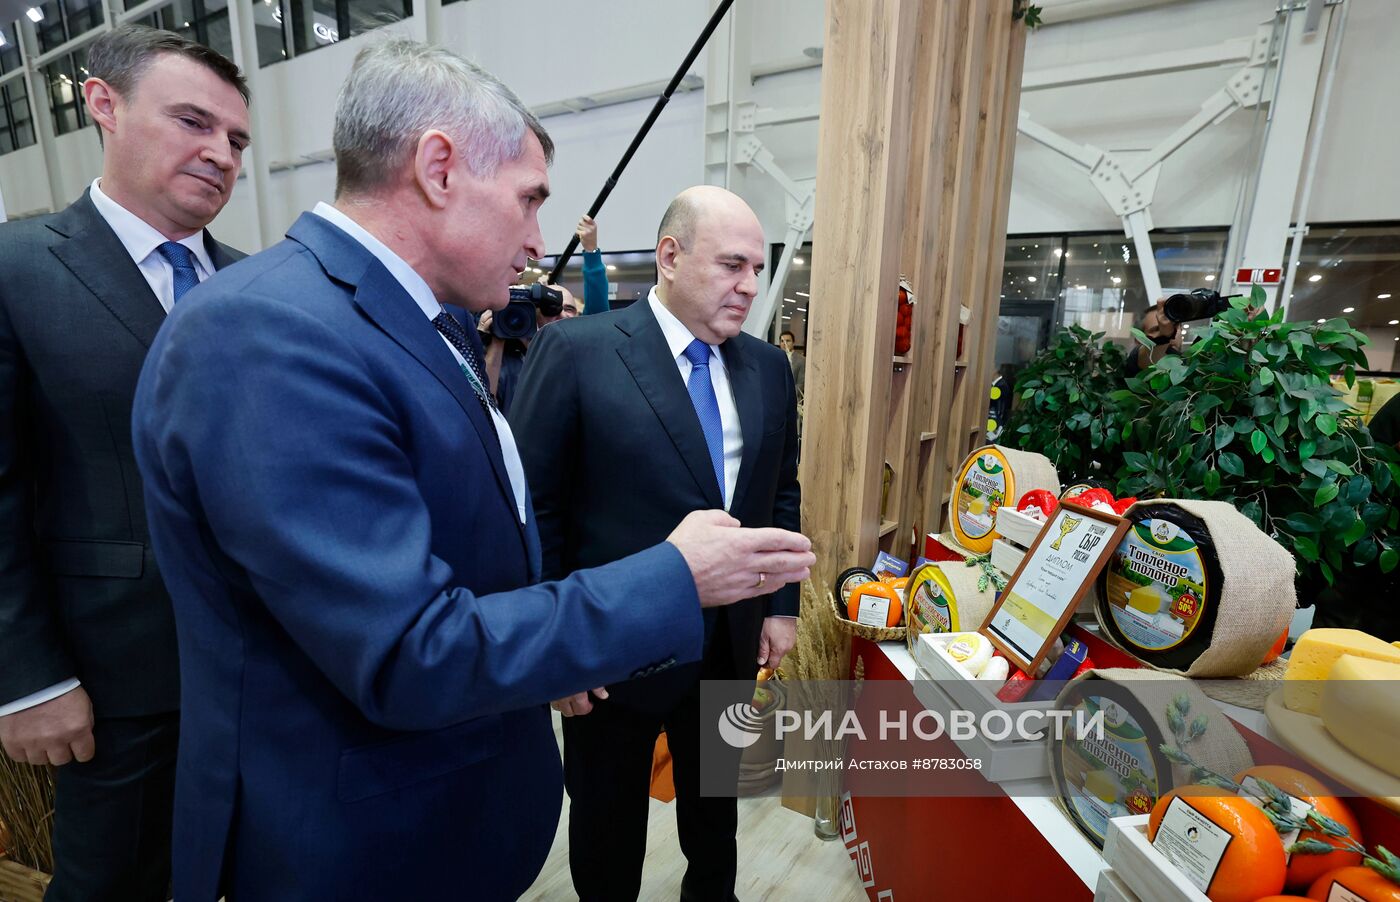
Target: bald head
<point>709,252</point>
<point>691,206</point>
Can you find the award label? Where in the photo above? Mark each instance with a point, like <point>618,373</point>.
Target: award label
<point>1040,598</point>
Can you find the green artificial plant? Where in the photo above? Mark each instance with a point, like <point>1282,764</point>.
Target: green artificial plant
<point>1247,414</point>
<point>1064,409</point>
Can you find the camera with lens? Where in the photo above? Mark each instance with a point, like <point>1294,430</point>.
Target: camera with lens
<point>1199,304</point>
<point>518,319</point>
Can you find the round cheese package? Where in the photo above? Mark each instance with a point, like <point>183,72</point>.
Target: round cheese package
<point>990,477</point>
<point>943,598</point>
<point>1195,588</point>
<point>1120,769</point>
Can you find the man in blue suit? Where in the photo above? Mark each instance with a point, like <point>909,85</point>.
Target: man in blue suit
<point>342,518</point>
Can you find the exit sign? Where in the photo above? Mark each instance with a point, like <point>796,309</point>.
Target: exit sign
<point>1258,276</point>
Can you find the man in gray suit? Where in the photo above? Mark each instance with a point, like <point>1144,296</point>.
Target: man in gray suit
<point>90,679</point>
<point>787,341</point>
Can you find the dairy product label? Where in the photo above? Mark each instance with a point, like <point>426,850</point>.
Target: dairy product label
<point>981,491</point>
<point>930,606</point>
<point>1108,776</point>
<point>1339,893</point>
<point>874,611</point>
<point>1192,842</point>
<point>1157,585</point>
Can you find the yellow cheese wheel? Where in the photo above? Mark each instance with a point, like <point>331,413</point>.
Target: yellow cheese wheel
<point>1361,709</point>
<point>1311,661</point>
<point>990,477</point>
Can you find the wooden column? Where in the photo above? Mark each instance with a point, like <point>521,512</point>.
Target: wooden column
<point>913,177</point>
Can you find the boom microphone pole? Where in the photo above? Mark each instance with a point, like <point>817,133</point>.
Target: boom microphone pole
<point>646,127</point>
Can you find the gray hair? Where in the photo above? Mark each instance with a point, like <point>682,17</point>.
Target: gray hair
<point>679,220</point>
<point>398,89</point>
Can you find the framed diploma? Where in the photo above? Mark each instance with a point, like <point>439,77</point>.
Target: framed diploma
<point>1042,594</point>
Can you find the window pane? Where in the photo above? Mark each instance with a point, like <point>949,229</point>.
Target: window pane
<point>9,54</point>
<point>82,15</point>
<point>367,15</point>
<point>1353,272</point>
<point>1032,269</point>
<point>267,26</point>
<point>64,97</point>
<point>50,28</point>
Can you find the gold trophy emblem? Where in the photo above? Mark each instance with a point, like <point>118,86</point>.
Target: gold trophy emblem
<point>1067,526</point>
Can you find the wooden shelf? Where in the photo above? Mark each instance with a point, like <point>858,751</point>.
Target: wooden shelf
<point>927,436</point>
<point>887,527</point>
<point>902,361</point>
<point>960,364</point>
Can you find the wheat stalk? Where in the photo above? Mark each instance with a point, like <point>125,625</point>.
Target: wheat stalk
<point>26,813</point>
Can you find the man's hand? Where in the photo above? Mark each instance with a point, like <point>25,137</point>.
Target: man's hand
<point>730,563</point>
<point>54,732</point>
<point>577,705</point>
<point>778,637</point>
<point>587,232</point>
<point>484,323</point>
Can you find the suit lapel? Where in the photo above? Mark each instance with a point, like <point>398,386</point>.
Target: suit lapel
<point>381,298</point>
<point>97,258</point>
<point>649,360</point>
<point>748,397</point>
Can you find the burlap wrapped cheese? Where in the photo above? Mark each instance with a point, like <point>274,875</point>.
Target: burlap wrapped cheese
<point>990,477</point>
<point>1195,588</point>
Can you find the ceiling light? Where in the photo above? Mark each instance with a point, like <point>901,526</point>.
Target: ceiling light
<point>1348,309</point>
<point>1210,277</point>
<point>1322,320</point>
<point>1081,287</point>
<point>1315,277</point>
<point>798,261</point>
<point>2,39</point>
<point>1058,252</point>
<point>801,309</point>
<point>1030,278</point>
<point>1395,322</point>
<point>612,267</point>
<point>35,14</point>
<point>802,294</point>
<point>1383,297</point>
<point>790,300</point>
<point>1116,280</point>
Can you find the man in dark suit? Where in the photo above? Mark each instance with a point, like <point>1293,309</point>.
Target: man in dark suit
<point>90,681</point>
<point>628,422</point>
<point>342,517</point>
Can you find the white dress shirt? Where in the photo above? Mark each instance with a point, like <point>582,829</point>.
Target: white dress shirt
<point>423,296</point>
<point>678,338</point>
<point>140,239</point>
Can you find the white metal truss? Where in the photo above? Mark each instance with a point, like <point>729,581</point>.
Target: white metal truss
<point>1283,73</point>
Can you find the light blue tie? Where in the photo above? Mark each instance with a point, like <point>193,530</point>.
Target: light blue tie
<point>702,395</point>
<point>182,262</point>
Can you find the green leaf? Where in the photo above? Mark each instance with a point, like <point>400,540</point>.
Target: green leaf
<point>1389,558</point>
<point>1266,376</point>
<point>1212,482</point>
<point>1340,468</point>
<point>1357,530</point>
<point>1305,547</point>
<point>1257,441</point>
<point>1268,455</point>
<point>1306,449</point>
<point>1198,423</point>
<point>1358,490</point>
<point>1302,523</point>
<point>1325,423</point>
<point>1316,467</point>
<point>1223,436</point>
<point>1325,494</point>
<point>1231,463</point>
<point>1143,340</point>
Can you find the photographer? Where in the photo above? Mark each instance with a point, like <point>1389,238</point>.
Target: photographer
<point>1162,331</point>
<point>507,337</point>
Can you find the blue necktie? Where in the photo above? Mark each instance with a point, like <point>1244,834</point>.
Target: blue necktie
<point>702,396</point>
<point>182,262</point>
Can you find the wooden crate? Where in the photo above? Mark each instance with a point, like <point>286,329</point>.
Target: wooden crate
<point>21,884</point>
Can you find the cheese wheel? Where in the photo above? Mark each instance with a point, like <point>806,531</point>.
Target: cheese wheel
<point>1194,587</point>
<point>1361,709</point>
<point>1122,770</point>
<point>943,597</point>
<point>990,477</point>
<point>972,652</point>
<point>875,604</point>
